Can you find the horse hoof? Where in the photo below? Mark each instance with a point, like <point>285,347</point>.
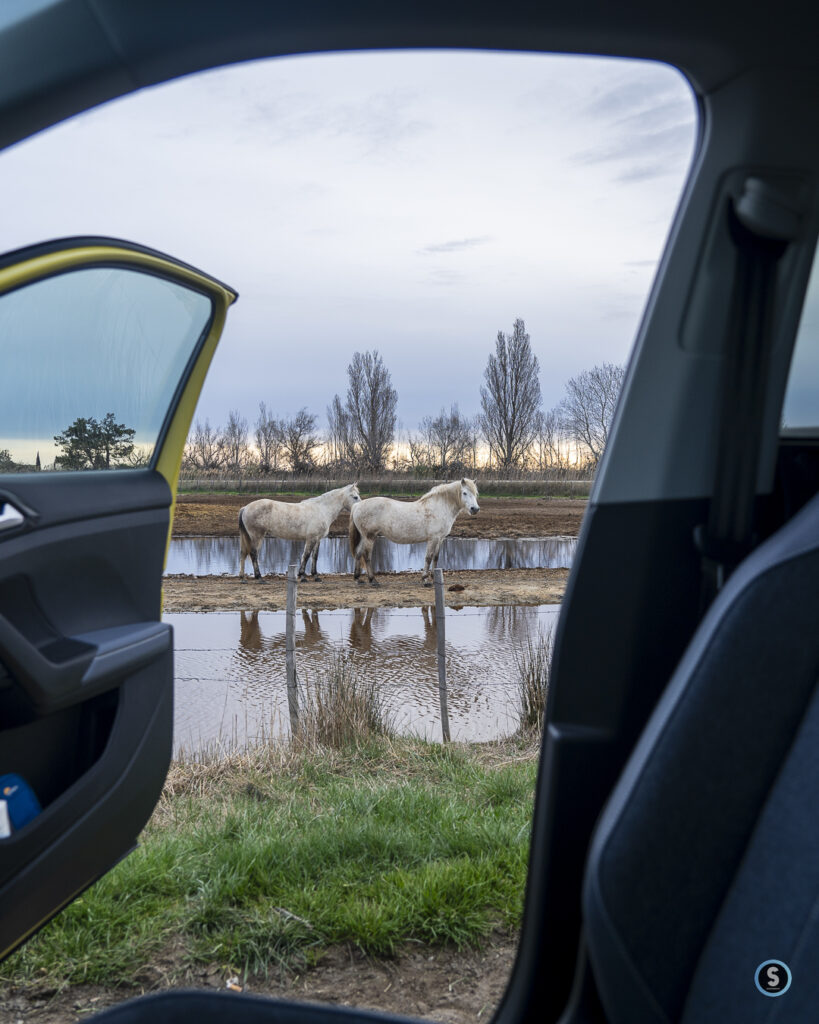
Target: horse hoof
<point>359,580</point>
<point>374,583</point>
<point>427,583</point>
<point>317,579</point>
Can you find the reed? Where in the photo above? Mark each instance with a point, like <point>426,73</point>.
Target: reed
<point>534,664</point>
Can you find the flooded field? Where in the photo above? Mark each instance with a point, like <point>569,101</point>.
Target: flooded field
<point>230,668</point>
<point>215,556</point>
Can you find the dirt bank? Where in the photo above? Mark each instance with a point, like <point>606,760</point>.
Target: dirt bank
<point>216,515</point>
<point>444,985</point>
<point>397,590</point>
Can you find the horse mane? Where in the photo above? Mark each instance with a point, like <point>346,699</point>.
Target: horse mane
<point>446,489</point>
<point>334,490</point>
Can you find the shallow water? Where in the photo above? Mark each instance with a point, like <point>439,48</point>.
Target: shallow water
<point>230,668</point>
<point>214,556</point>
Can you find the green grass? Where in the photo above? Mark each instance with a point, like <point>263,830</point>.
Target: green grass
<point>268,857</point>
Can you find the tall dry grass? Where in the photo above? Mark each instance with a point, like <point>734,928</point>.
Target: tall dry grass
<point>534,665</point>
<point>342,706</point>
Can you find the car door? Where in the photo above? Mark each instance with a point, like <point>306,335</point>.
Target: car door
<point>104,345</point>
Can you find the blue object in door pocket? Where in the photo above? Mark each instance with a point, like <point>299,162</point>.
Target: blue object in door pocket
<point>21,805</point>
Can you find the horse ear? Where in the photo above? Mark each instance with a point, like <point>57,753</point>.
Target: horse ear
<point>463,481</point>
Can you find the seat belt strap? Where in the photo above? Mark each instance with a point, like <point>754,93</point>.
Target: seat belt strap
<point>761,225</point>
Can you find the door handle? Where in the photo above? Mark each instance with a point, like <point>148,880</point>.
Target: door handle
<point>10,516</point>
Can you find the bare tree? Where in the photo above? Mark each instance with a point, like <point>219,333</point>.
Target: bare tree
<point>420,456</point>
<point>474,434</point>
<point>371,403</point>
<point>234,441</point>
<point>588,407</point>
<point>268,437</point>
<point>339,435</point>
<point>300,440</point>
<point>447,438</point>
<point>550,444</point>
<point>204,449</point>
<point>510,397</point>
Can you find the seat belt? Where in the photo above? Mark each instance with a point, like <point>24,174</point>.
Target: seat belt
<point>762,223</point>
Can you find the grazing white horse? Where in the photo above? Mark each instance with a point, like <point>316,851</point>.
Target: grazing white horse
<point>309,520</point>
<point>429,519</point>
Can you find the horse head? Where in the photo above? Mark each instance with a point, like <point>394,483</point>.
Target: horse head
<point>351,495</point>
<point>469,496</point>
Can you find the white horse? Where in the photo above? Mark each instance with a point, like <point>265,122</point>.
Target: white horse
<point>429,519</point>
<point>309,520</point>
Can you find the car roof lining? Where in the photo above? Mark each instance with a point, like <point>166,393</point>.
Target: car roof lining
<point>75,54</point>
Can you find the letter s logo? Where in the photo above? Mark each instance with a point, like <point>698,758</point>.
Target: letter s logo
<point>773,978</point>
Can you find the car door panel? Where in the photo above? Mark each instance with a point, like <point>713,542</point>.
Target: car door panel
<point>86,665</point>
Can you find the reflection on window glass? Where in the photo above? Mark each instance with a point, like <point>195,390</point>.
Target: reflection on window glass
<point>91,360</point>
<point>801,408</point>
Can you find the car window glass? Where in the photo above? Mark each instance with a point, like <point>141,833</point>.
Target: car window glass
<point>395,224</point>
<point>91,360</point>
<point>800,411</point>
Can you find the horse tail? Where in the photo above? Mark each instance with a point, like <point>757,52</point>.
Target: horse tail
<point>247,543</point>
<point>355,536</point>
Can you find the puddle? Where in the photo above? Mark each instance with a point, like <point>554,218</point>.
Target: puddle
<point>230,668</point>
<point>215,556</point>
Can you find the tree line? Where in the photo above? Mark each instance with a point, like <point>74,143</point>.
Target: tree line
<point>512,431</point>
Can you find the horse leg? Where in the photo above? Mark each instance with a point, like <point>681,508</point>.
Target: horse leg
<point>358,561</point>
<point>438,547</point>
<point>244,551</point>
<point>254,558</point>
<point>303,561</point>
<point>367,556</point>
<point>426,575</point>
<point>316,577</point>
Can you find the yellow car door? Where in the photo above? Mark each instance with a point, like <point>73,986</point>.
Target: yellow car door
<point>104,347</point>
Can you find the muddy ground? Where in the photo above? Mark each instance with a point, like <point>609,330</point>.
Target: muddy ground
<point>216,515</point>
<point>396,590</point>
<point>443,985</point>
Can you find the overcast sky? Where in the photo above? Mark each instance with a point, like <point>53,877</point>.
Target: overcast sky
<point>412,202</point>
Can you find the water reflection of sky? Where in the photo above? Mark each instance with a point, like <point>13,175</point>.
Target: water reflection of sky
<point>230,667</point>
<point>213,556</point>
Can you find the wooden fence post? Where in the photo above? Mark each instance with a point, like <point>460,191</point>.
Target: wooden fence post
<point>290,649</point>
<point>440,622</point>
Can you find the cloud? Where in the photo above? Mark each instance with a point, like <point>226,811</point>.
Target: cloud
<point>378,120</point>
<point>642,152</point>
<point>456,245</point>
<point>444,278</point>
<point>646,127</point>
<point>646,91</point>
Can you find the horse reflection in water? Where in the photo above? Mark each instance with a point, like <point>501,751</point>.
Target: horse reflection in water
<point>430,628</point>
<point>393,659</point>
<point>253,645</point>
<point>361,630</point>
